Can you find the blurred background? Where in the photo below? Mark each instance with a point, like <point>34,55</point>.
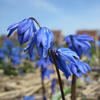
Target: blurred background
<point>63,17</point>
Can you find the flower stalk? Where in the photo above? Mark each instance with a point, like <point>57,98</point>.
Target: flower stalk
<point>73,88</point>
<point>43,87</point>
<point>58,73</point>
<point>35,21</point>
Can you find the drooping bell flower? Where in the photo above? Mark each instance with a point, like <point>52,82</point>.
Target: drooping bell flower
<point>68,62</point>
<point>79,43</point>
<point>64,55</point>
<point>25,30</point>
<point>44,63</point>
<point>44,41</point>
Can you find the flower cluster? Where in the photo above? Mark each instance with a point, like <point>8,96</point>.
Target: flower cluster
<point>69,63</point>
<point>9,51</point>
<point>67,60</point>
<point>42,38</point>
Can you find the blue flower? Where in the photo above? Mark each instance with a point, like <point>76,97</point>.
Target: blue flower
<point>8,44</point>
<point>15,60</point>
<point>98,43</point>
<point>53,85</point>
<point>25,30</point>
<point>68,62</point>
<point>44,41</point>
<point>1,54</point>
<point>64,55</point>
<point>11,52</point>
<point>15,56</point>
<point>28,98</point>
<point>79,43</point>
<point>7,47</point>
<point>44,63</point>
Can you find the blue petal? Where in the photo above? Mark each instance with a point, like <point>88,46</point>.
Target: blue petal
<point>24,25</point>
<point>45,52</point>
<point>68,39</point>
<point>11,31</point>
<point>62,66</point>
<point>41,41</point>
<point>67,51</point>
<point>50,38</point>
<point>86,45</point>
<point>74,69</point>
<point>81,66</point>
<point>84,37</point>
<point>88,67</point>
<point>67,54</point>
<point>42,37</point>
<point>30,46</point>
<point>13,26</point>
<point>27,35</point>
<point>83,45</point>
<point>40,50</point>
